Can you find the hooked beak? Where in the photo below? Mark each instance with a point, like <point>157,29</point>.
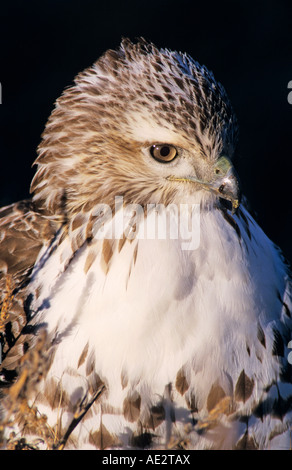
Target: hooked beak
<point>224,183</point>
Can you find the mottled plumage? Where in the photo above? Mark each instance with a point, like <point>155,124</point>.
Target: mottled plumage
<point>111,339</point>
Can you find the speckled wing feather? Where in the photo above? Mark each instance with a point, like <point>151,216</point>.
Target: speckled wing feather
<point>23,232</point>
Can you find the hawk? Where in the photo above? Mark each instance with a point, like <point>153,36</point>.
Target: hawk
<point>116,339</point>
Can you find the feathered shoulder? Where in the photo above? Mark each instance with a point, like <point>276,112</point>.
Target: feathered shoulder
<point>23,232</point>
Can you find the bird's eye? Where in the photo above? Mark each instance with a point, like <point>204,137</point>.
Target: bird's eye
<point>163,153</point>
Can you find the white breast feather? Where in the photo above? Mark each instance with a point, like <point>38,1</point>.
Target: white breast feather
<point>198,309</point>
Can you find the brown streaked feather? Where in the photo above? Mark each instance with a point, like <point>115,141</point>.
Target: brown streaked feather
<point>246,442</point>
<point>94,382</point>
<point>55,395</point>
<point>261,336</point>
<point>156,417</point>
<point>131,407</point>
<point>107,253</point>
<point>103,439</point>
<point>244,387</point>
<point>90,259</point>
<point>121,242</point>
<point>23,232</point>
<point>78,221</point>
<point>224,406</point>
<point>83,355</point>
<point>181,383</point>
<point>216,394</point>
<point>135,253</point>
<point>124,379</point>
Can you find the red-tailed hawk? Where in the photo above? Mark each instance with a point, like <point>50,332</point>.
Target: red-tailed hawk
<point>118,335</point>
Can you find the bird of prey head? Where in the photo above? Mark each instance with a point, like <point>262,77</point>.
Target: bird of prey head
<point>153,123</point>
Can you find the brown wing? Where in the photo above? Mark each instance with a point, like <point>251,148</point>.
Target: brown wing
<point>23,232</point>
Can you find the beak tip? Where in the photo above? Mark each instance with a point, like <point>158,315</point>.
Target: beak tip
<point>235,206</point>
<point>228,186</point>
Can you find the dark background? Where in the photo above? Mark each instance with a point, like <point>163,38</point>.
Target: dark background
<point>247,44</point>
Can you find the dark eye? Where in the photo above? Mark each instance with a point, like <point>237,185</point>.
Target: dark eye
<point>163,153</point>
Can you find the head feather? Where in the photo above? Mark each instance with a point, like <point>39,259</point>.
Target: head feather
<point>91,146</point>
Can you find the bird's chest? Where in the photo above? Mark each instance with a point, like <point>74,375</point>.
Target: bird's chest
<point>144,316</point>
<point>152,299</point>
<point>127,300</point>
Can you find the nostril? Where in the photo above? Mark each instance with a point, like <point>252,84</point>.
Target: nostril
<point>221,188</point>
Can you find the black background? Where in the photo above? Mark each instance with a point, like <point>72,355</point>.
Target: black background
<point>247,44</point>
